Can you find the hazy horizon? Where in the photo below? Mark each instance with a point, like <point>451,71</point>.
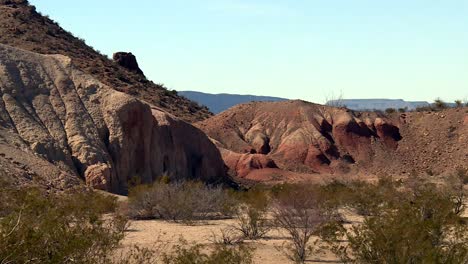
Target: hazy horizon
<point>310,50</point>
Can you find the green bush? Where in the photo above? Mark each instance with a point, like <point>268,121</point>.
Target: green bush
<point>407,225</point>
<point>57,228</point>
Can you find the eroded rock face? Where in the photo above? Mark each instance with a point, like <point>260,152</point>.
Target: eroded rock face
<point>298,136</point>
<point>127,60</point>
<point>243,164</point>
<point>106,137</point>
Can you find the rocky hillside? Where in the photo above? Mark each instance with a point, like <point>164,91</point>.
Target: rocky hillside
<point>59,124</point>
<point>23,27</point>
<point>266,141</point>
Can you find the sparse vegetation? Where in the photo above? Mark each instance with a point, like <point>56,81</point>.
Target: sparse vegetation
<point>57,228</point>
<point>185,254</point>
<point>180,201</point>
<point>390,110</point>
<point>298,213</point>
<point>440,104</point>
<point>229,236</point>
<point>251,214</point>
<point>404,222</point>
<point>414,224</point>
<point>335,100</point>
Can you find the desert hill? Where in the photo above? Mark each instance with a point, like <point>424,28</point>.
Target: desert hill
<point>265,140</point>
<point>218,103</point>
<point>59,124</point>
<point>23,27</point>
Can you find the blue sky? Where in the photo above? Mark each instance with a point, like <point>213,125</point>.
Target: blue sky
<point>309,49</point>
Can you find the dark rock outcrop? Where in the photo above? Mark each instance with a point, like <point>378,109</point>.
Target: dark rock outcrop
<point>128,61</point>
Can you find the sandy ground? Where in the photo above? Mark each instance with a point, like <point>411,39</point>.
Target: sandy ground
<point>154,233</point>
<point>150,233</point>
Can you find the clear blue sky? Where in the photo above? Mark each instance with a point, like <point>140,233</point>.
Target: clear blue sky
<point>309,49</point>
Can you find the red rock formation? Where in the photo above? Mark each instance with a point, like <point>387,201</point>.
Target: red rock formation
<point>244,164</point>
<point>298,136</point>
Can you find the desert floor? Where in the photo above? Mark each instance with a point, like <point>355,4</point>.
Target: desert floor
<point>154,233</point>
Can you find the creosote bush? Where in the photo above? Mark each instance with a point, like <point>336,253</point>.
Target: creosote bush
<point>180,201</point>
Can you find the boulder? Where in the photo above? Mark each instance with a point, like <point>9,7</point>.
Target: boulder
<point>128,61</point>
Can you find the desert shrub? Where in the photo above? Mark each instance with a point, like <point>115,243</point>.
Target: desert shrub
<point>402,110</point>
<point>170,93</point>
<point>458,103</point>
<point>390,110</point>
<point>298,213</point>
<point>228,236</point>
<point>329,197</point>
<point>455,188</point>
<point>180,201</point>
<point>366,198</point>
<point>462,174</point>
<point>58,228</point>
<point>421,227</point>
<point>440,104</point>
<point>251,214</point>
<point>335,194</point>
<point>424,109</point>
<point>137,255</point>
<point>185,254</point>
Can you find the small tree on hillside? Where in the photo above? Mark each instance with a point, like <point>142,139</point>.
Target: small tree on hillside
<point>440,104</point>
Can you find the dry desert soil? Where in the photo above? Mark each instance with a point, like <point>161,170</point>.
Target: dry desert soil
<point>153,233</point>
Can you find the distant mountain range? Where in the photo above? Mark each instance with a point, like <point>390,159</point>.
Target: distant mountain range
<point>377,104</point>
<point>218,103</point>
